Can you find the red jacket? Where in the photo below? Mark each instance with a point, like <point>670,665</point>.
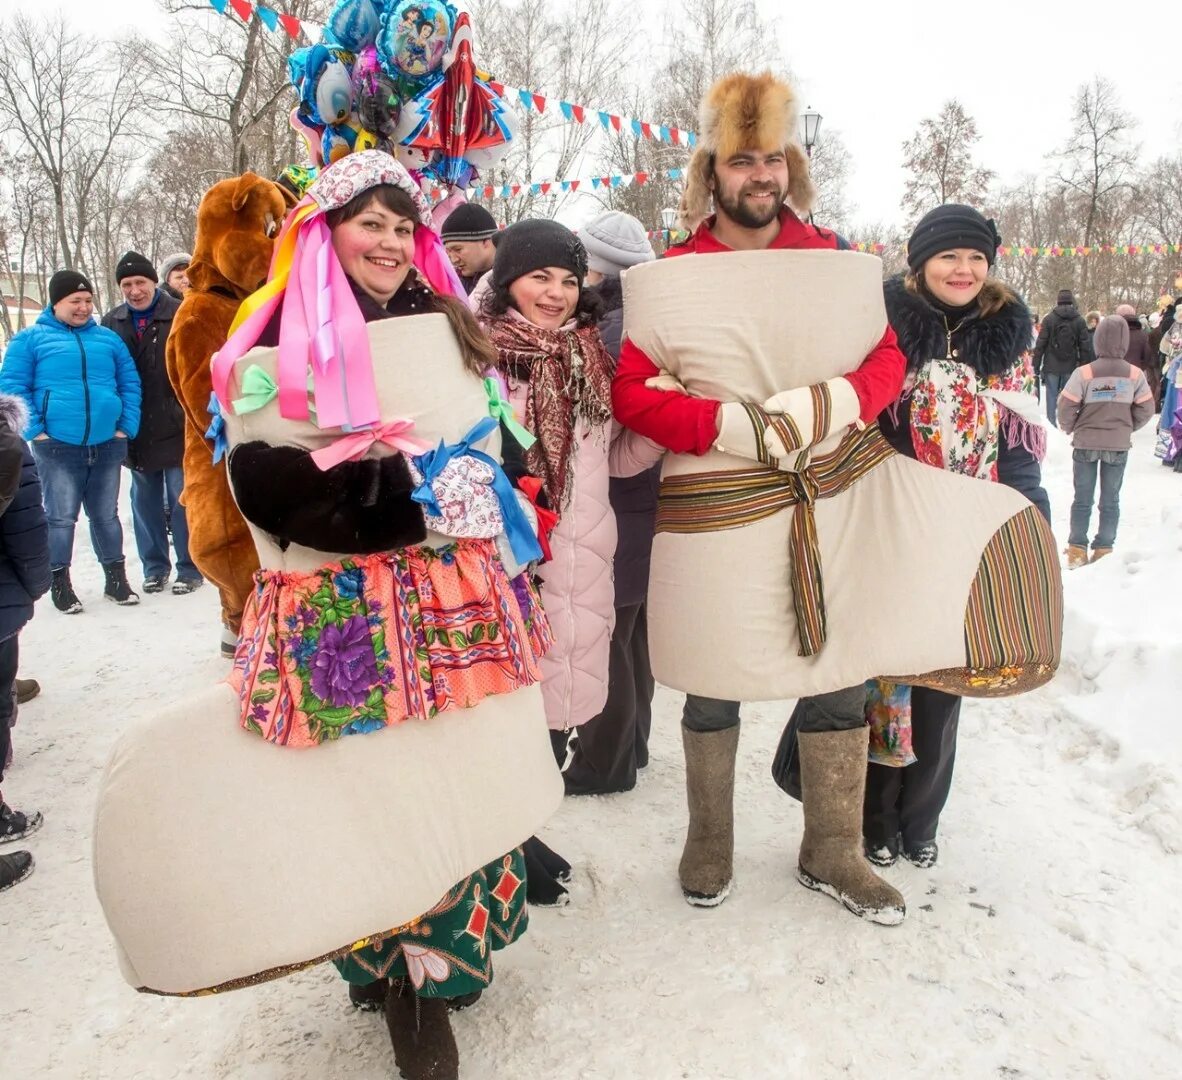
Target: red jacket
<point>688,425</point>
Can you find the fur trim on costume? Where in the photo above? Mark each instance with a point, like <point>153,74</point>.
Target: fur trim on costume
<point>14,413</point>
<point>745,112</point>
<point>989,346</point>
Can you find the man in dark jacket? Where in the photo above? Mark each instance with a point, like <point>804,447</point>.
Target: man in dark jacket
<point>24,577</point>
<point>610,747</point>
<point>1063,344</point>
<point>1140,353</point>
<point>155,455</point>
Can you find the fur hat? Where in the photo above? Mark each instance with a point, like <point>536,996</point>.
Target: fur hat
<point>179,261</point>
<point>745,112</point>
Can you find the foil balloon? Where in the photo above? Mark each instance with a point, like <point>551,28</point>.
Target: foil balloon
<point>457,116</point>
<point>414,37</point>
<point>353,24</point>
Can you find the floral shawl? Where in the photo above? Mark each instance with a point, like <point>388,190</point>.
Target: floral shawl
<point>568,373</point>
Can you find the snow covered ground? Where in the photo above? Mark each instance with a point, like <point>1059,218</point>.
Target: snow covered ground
<point>1045,943</point>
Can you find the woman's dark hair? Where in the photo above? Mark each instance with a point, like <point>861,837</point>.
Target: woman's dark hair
<point>588,308</point>
<point>479,353</point>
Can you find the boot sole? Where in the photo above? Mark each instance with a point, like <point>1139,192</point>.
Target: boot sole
<point>73,609</point>
<point>706,900</point>
<point>891,916</point>
<point>131,601</point>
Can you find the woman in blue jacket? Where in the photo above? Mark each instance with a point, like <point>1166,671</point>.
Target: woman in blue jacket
<point>82,391</point>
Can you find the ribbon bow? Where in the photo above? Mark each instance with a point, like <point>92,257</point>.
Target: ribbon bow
<point>521,537</point>
<point>500,409</point>
<point>531,488</point>
<point>258,391</point>
<point>352,447</point>
<point>216,432</point>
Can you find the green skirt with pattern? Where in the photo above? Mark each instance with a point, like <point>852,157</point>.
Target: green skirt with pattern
<point>447,952</point>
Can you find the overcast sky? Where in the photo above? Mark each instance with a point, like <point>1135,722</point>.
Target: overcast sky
<point>874,71</point>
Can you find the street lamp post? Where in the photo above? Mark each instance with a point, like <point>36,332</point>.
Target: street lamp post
<point>668,223</point>
<point>810,124</point>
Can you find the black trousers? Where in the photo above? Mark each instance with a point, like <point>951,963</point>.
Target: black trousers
<point>611,746</point>
<point>9,654</point>
<point>909,800</point>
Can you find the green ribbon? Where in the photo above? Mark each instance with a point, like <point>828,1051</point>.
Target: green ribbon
<point>259,390</point>
<point>500,409</point>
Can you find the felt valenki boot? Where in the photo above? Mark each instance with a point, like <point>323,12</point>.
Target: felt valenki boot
<point>707,862</point>
<point>833,779</point>
<point>420,1031</point>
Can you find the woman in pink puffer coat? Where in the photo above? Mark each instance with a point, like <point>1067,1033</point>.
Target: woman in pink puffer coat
<point>542,322</point>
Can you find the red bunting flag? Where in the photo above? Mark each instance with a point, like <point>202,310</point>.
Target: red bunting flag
<point>578,112</point>
<point>545,189</point>
<point>647,129</point>
<point>539,103</point>
<point>641,178</point>
<point>574,185</point>
<point>291,24</point>
<point>498,88</point>
<point>243,7</point>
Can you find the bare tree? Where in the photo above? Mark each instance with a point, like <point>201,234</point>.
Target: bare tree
<point>229,80</point>
<point>50,98</point>
<point>575,53</point>
<point>939,159</point>
<point>1096,163</point>
<point>829,166</point>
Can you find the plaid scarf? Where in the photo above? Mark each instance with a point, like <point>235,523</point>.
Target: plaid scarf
<point>568,375</point>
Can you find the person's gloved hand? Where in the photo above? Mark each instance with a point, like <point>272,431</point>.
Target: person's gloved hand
<point>666,382</point>
<point>808,415</point>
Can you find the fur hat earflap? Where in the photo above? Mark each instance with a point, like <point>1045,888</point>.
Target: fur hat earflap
<point>745,112</point>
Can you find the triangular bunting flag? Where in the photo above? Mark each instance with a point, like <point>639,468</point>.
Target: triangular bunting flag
<point>646,130</point>
<point>616,122</point>
<point>595,182</point>
<point>636,128</point>
<point>579,112</point>
<point>605,120</point>
<point>535,189</point>
<point>545,188</point>
<point>243,8</point>
<point>574,185</point>
<point>664,131</point>
<point>641,178</point>
<point>488,192</point>
<point>568,109</point>
<point>219,6</point>
<point>674,135</point>
<point>270,19</point>
<point>516,189</point>
<point>566,185</point>
<point>539,103</point>
<point>291,24</point>
<point>526,97</point>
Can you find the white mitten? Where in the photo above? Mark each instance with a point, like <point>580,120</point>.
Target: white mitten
<point>808,415</point>
<point>666,382</point>
<point>740,432</point>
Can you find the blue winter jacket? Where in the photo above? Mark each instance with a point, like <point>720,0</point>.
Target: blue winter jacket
<point>80,385</point>
<point>24,534</point>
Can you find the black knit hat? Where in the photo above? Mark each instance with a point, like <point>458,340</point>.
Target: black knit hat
<point>534,244</point>
<point>952,226</point>
<point>65,283</point>
<point>468,222</point>
<point>133,264</point>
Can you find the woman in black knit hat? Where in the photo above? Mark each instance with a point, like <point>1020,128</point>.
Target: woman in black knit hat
<point>968,405</point>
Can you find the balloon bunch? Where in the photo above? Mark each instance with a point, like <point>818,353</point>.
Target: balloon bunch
<point>399,75</point>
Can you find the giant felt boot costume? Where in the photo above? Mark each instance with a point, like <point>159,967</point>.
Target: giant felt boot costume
<point>833,780</point>
<point>707,863</point>
<point>420,1032</point>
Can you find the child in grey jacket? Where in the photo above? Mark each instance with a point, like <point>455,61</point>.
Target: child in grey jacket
<point>1101,406</point>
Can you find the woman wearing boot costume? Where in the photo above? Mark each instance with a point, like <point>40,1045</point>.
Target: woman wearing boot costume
<point>542,321</point>
<point>963,333</point>
<point>390,605</point>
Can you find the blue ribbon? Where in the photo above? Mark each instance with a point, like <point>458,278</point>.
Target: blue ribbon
<point>517,528</point>
<point>216,432</point>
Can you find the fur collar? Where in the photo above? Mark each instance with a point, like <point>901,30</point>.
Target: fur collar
<point>611,292</point>
<point>14,413</point>
<point>989,345</point>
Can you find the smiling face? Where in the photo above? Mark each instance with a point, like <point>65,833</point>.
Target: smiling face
<point>376,249</point>
<point>750,187</point>
<point>138,291</point>
<point>956,277</point>
<point>75,309</point>
<point>547,297</point>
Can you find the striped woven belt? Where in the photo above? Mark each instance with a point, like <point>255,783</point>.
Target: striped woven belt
<point>709,502</point>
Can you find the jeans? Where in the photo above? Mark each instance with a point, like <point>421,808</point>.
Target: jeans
<point>9,654</point>
<point>76,476</point>
<point>150,493</point>
<point>1111,466</point>
<point>837,711</point>
<point>1052,385</point>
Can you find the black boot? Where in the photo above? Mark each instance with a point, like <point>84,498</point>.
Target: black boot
<point>369,997</point>
<point>14,868</point>
<point>117,588</point>
<point>424,1046</point>
<point>544,875</point>
<point>64,597</point>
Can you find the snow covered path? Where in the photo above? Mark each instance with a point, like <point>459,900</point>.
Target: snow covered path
<point>1045,944</point>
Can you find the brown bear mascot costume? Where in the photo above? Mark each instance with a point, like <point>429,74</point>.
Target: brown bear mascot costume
<point>236,225</point>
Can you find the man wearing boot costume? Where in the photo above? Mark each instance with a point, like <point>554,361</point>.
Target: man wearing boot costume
<point>748,160</point>
<point>236,224</point>
<point>762,372</point>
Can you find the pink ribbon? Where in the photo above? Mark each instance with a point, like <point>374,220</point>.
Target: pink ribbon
<point>352,447</point>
